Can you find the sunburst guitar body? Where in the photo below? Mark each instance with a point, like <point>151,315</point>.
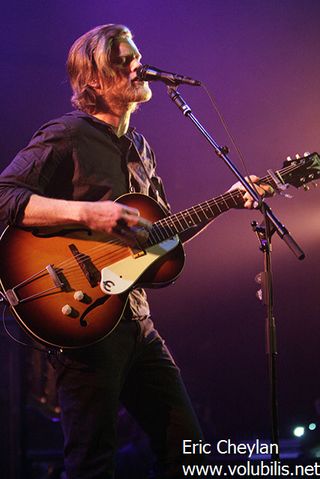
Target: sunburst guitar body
<point>68,288</point>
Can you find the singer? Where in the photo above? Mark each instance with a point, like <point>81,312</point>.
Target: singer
<point>69,174</point>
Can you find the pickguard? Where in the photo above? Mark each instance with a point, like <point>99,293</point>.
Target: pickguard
<point>122,275</point>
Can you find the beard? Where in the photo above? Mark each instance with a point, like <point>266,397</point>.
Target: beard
<point>129,95</point>
<point>138,92</point>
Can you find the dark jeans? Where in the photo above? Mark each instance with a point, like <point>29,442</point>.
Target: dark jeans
<point>134,367</point>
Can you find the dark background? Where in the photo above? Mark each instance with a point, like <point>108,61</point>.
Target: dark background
<point>261,61</point>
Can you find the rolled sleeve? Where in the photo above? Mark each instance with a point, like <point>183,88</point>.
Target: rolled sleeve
<point>32,170</point>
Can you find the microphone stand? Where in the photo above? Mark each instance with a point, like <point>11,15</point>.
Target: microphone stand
<point>272,224</point>
<point>264,232</point>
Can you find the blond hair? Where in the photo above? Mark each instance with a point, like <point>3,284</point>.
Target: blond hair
<point>89,64</point>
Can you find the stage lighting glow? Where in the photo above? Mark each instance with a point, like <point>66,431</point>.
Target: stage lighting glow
<point>312,426</point>
<point>299,431</point>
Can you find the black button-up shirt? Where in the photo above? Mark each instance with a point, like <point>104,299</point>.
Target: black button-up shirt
<point>78,157</point>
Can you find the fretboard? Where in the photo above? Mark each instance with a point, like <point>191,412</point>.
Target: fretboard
<point>193,217</point>
<point>199,215</point>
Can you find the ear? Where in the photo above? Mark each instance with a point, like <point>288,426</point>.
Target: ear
<point>95,84</point>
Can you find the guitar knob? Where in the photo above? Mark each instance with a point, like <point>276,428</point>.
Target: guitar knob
<point>66,310</point>
<point>79,295</point>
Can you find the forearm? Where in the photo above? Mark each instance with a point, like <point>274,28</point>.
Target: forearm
<point>42,211</point>
<point>101,216</point>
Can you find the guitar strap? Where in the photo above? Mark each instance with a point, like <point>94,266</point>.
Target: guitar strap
<point>155,188</point>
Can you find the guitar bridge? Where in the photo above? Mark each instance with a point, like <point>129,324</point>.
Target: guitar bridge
<point>55,277</point>
<point>86,265</point>
<point>12,298</point>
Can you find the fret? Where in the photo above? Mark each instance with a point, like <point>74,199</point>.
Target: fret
<point>217,205</point>
<point>225,203</point>
<point>195,211</point>
<point>172,227</point>
<point>155,227</point>
<point>177,218</point>
<point>203,211</point>
<point>236,196</point>
<point>151,237</point>
<point>194,216</point>
<point>190,223</point>
<point>212,214</point>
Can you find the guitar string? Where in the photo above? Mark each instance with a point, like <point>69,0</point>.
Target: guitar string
<point>73,265</point>
<point>233,194</point>
<point>229,195</point>
<point>78,259</point>
<point>164,221</point>
<point>201,208</point>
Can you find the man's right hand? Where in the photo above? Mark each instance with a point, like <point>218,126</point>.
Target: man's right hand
<point>106,216</point>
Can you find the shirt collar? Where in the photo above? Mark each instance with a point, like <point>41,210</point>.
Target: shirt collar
<point>82,114</point>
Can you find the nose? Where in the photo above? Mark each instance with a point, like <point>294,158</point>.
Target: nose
<point>135,64</point>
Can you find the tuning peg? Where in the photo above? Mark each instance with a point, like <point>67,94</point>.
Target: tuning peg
<point>297,156</point>
<point>259,295</point>
<point>289,158</point>
<point>306,153</point>
<point>306,187</point>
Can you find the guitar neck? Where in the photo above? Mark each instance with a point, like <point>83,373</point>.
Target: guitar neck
<point>200,214</point>
<point>195,216</point>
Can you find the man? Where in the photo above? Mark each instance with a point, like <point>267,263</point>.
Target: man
<point>70,173</point>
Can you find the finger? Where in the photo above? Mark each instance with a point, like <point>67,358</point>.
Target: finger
<point>129,218</point>
<point>261,192</point>
<point>253,178</point>
<point>268,190</point>
<point>137,221</point>
<point>250,179</point>
<point>144,223</point>
<point>131,235</point>
<point>127,214</point>
<point>122,231</point>
<point>239,185</point>
<point>127,210</point>
<point>132,217</point>
<point>248,204</point>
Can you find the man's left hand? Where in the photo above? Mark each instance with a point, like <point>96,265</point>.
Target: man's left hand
<point>262,190</point>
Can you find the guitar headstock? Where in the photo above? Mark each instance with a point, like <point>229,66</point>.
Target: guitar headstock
<point>301,170</point>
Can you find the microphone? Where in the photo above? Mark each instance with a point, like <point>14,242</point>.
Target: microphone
<point>149,73</point>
